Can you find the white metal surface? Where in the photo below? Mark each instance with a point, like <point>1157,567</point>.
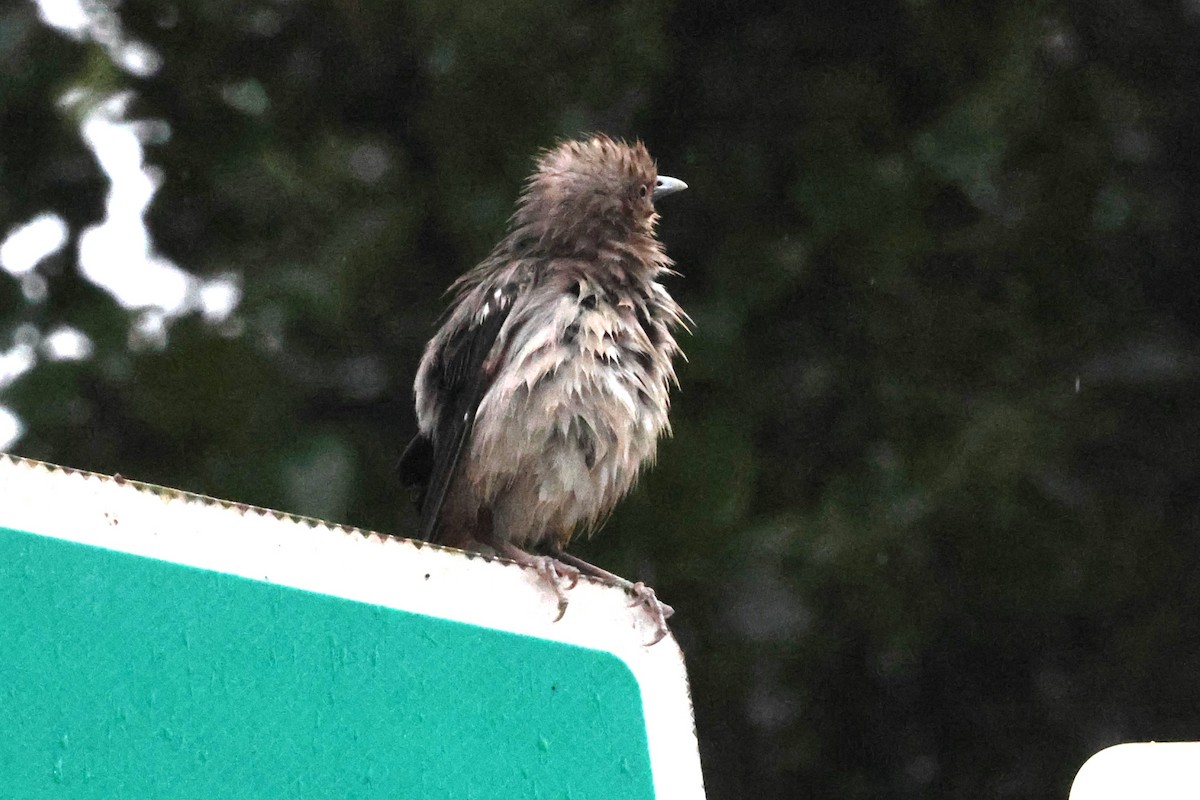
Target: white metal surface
<point>1141,771</point>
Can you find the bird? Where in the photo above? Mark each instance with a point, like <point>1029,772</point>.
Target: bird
<point>544,392</point>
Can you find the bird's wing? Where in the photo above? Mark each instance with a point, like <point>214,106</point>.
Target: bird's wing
<point>416,463</point>
<point>465,369</point>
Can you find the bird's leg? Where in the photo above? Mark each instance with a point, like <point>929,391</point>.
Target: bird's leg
<point>643,595</point>
<point>551,569</point>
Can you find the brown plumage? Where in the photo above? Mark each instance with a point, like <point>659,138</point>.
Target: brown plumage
<point>545,390</point>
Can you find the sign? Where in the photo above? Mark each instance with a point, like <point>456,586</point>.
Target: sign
<point>155,643</point>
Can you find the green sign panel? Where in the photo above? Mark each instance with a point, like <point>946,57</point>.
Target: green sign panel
<point>124,676</point>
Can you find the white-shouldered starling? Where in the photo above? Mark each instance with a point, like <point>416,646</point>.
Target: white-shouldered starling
<point>545,390</point>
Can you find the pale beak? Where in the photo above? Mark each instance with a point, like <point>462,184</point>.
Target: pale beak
<point>667,186</point>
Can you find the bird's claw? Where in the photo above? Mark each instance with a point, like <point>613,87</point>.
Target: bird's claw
<point>659,611</point>
<point>553,572</point>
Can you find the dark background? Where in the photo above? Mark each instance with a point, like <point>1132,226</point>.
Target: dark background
<point>931,516</point>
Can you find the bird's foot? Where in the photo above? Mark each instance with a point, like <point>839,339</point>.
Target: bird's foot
<point>554,572</point>
<point>659,611</point>
<point>549,568</point>
<point>642,594</point>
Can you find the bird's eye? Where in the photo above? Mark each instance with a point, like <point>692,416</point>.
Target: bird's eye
<point>642,190</point>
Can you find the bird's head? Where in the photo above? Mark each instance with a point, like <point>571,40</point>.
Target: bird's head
<point>587,190</point>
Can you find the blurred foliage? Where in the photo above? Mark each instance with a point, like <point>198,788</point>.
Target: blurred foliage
<point>931,515</point>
